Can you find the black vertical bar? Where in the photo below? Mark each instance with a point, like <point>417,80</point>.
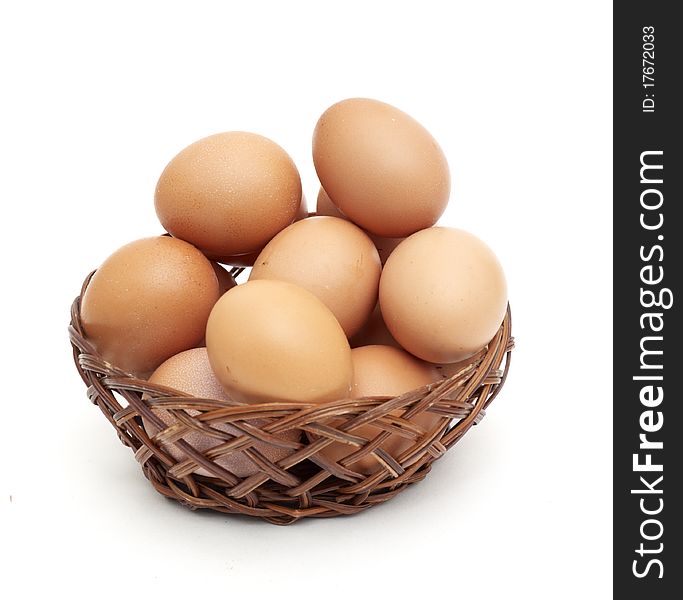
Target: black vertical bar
<point>648,348</point>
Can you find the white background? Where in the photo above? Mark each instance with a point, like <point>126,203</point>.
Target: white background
<point>97,98</point>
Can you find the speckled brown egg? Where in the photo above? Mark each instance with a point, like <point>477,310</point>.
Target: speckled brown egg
<point>385,246</point>
<point>380,167</point>
<point>443,294</point>
<point>274,341</point>
<point>248,259</point>
<point>148,301</point>
<point>190,372</point>
<point>229,193</point>
<point>385,371</point>
<point>330,257</point>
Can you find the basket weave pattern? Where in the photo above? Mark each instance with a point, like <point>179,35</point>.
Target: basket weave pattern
<point>305,483</point>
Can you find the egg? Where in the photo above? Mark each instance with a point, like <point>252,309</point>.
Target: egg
<point>225,280</point>
<point>325,207</point>
<point>190,372</point>
<point>388,371</point>
<point>274,341</point>
<point>148,301</point>
<point>229,193</point>
<point>385,246</point>
<point>248,259</point>
<point>384,371</point>
<point>380,167</point>
<point>373,332</point>
<point>443,294</point>
<point>330,257</point>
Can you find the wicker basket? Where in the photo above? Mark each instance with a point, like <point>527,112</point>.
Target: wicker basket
<point>305,483</point>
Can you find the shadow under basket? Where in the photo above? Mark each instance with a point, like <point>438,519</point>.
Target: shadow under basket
<point>305,483</point>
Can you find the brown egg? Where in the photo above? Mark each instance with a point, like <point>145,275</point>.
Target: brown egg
<point>330,257</point>
<point>387,371</point>
<point>326,208</point>
<point>190,372</point>
<point>229,193</point>
<point>148,301</point>
<point>374,332</point>
<point>248,259</point>
<point>384,371</point>
<point>272,340</point>
<point>385,246</point>
<point>225,280</point>
<point>443,294</point>
<point>380,167</point>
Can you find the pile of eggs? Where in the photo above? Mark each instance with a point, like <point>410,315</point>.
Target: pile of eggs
<point>365,297</point>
